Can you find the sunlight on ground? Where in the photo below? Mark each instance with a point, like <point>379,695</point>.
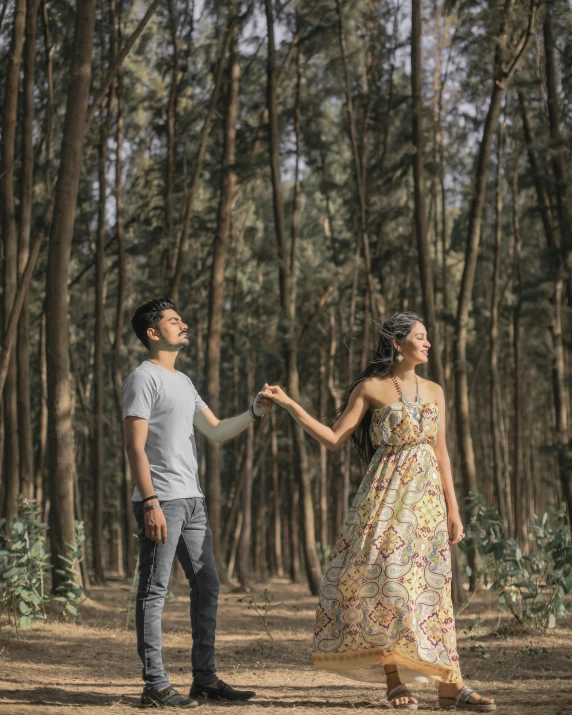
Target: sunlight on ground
<point>59,668</point>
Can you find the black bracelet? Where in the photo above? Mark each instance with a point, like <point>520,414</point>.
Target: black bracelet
<point>253,414</point>
<point>153,496</point>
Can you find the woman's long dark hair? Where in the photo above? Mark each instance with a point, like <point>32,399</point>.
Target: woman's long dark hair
<point>396,325</point>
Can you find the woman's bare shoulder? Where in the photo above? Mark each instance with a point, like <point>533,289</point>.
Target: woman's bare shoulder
<point>376,390</point>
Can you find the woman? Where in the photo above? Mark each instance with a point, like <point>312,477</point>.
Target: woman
<point>385,609</point>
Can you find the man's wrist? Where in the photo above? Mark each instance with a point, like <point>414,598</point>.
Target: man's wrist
<point>253,414</point>
<point>151,506</point>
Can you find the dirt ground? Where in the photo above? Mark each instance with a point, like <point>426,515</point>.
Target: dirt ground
<point>92,667</point>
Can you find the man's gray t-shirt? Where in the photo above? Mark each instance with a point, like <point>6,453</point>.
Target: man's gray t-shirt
<point>169,401</point>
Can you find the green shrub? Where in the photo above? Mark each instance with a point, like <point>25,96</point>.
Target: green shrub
<point>533,587</point>
<point>24,566</point>
<point>70,592</point>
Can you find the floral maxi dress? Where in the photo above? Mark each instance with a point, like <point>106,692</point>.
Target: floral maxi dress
<point>386,593</point>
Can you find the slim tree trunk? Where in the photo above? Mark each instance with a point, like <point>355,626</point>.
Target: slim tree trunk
<point>561,191</point>
<point>423,251</point>
<point>217,290</point>
<point>182,244</point>
<point>171,114</point>
<point>43,426</point>
<point>559,382</point>
<point>244,556</point>
<point>50,94</point>
<point>116,66</point>
<point>520,511</point>
<point>128,522</point>
<point>293,489</point>
<point>61,438</point>
<point>276,501</point>
<point>358,164</point>
<point>26,447</point>
<point>98,461</point>
<point>288,305</point>
<point>558,165</point>
<point>499,477</point>
<point>323,492</point>
<point>11,467</point>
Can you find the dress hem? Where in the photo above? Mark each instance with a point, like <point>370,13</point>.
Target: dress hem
<point>340,662</point>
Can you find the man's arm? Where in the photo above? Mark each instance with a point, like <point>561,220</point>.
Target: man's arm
<point>221,430</point>
<point>136,429</point>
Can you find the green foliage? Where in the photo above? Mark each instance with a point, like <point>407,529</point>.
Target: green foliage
<point>69,591</point>
<point>23,566</point>
<point>533,586</point>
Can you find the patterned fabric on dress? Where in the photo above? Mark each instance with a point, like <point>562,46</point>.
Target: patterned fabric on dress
<point>386,593</point>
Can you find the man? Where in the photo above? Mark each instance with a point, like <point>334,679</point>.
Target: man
<point>161,408</point>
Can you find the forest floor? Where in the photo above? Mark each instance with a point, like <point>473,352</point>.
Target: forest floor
<point>91,667</point>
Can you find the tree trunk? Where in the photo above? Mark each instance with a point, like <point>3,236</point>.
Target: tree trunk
<point>323,491</point>
<point>216,293</point>
<point>11,467</point>
<point>182,244</point>
<point>50,94</point>
<point>559,382</point>
<point>293,490</point>
<point>499,477</point>
<point>558,165</point>
<point>43,426</point>
<point>26,446</point>
<point>288,305</point>
<point>171,114</point>
<point>277,502</point>
<point>520,511</point>
<point>98,461</point>
<point>129,524</point>
<point>561,191</point>
<point>61,438</point>
<point>423,251</point>
<point>244,560</point>
<point>116,66</point>
<point>359,168</point>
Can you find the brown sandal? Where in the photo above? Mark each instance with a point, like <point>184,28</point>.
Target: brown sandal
<point>461,702</point>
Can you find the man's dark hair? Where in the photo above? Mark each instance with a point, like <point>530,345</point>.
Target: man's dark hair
<point>149,315</point>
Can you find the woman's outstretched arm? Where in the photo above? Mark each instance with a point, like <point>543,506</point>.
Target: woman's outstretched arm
<point>331,437</point>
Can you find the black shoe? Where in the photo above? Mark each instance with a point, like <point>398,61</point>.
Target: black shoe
<point>222,691</point>
<point>166,698</point>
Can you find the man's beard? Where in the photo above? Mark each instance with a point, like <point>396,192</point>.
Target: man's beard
<point>175,346</point>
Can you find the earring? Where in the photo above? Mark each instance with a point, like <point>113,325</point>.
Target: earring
<point>399,357</point>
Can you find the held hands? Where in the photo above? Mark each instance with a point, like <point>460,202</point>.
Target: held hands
<point>455,527</point>
<point>261,405</point>
<point>275,394</point>
<point>156,525</point>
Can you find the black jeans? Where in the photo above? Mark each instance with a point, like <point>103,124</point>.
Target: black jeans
<point>190,538</point>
